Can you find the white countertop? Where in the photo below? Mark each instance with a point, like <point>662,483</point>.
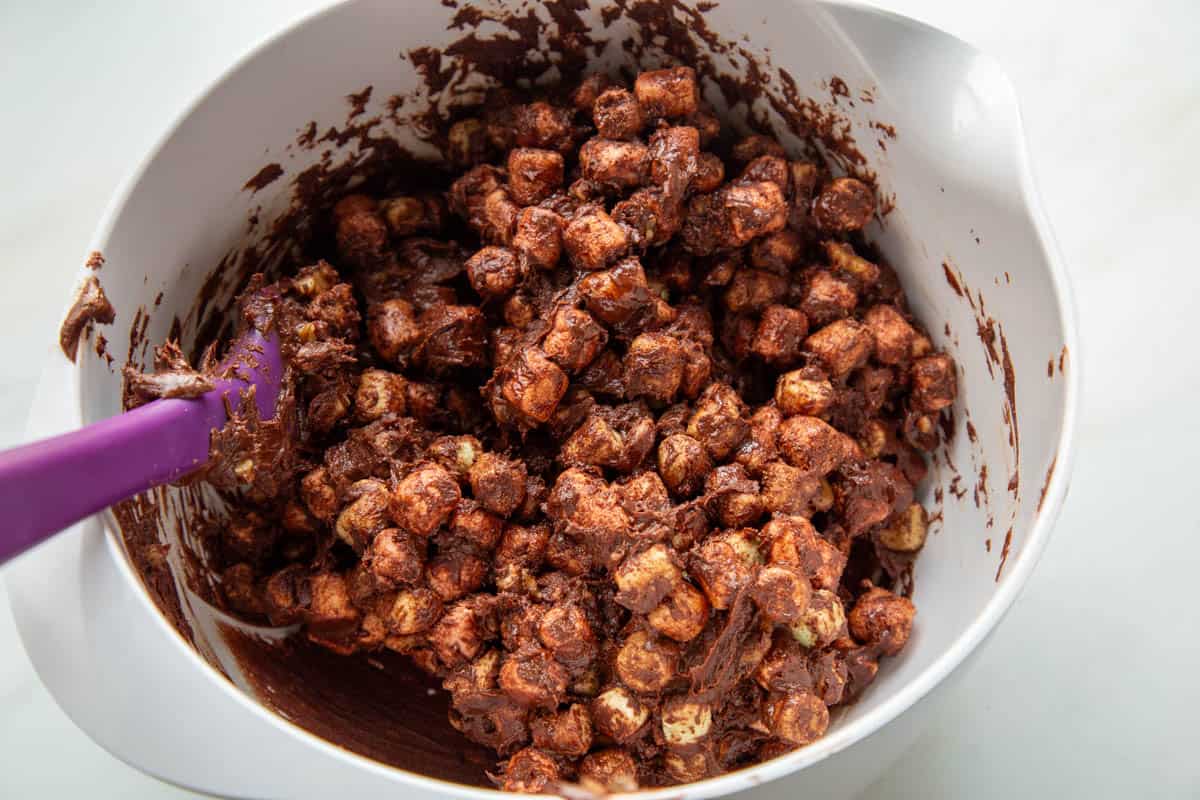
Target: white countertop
<point>1089,688</point>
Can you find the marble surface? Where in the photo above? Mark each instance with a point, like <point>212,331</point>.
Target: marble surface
<point>1088,688</point>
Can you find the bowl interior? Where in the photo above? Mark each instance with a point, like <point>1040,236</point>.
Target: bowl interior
<point>285,129</point>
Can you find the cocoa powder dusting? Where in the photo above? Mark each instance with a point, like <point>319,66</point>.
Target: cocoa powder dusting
<point>95,260</point>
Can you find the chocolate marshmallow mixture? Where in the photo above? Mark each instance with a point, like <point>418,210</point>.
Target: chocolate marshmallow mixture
<point>615,435</point>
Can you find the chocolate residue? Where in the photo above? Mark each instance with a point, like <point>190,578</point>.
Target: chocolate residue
<point>952,279</point>
<point>95,260</point>
<point>1050,368</point>
<point>1046,483</point>
<point>1062,358</point>
<point>468,16</point>
<point>102,348</point>
<point>263,178</point>
<point>173,376</point>
<point>887,130</point>
<point>138,520</point>
<point>947,424</point>
<point>838,88</point>
<point>1004,552</point>
<point>253,454</point>
<point>989,332</point>
<point>887,204</point>
<point>971,433</point>
<point>956,488</point>
<point>1010,393</point>
<point>358,101</point>
<point>987,544</point>
<point>985,329</point>
<point>381,707</point>
<point>981,487</point>
<point>138,341</point>
<point>308,136</point>
<point>91,306</point>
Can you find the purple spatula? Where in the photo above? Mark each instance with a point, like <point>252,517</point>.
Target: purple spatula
<point>46,486</point>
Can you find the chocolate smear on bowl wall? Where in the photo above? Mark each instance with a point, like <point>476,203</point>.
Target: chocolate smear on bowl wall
<point>169,556</point>
<point>990,332</point>
<point>1010,394</point>
<point>102,349</point>
<point>264,178</point>
<point>138,520</point>
<point>91,307</point>
<point>358,101</point>
<point>1004,553</point>
<point>981,487</point>
<point>952,279</point>
<point>1046,482</point>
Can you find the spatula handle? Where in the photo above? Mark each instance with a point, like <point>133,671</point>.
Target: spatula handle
<point>48,485</point>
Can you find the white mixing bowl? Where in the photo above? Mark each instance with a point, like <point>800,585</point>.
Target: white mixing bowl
<point>967,234</point>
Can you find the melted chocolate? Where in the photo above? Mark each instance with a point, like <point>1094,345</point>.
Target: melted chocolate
<point>1004,552</point>
<point>264,178</point>
<point>379,706</point>
<point>90,307</point>
<point>952,279</point>
<point>1046,483</point>
<point>173,376</point>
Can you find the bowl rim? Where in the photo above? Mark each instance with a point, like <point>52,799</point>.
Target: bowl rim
<point>1009,586</point>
